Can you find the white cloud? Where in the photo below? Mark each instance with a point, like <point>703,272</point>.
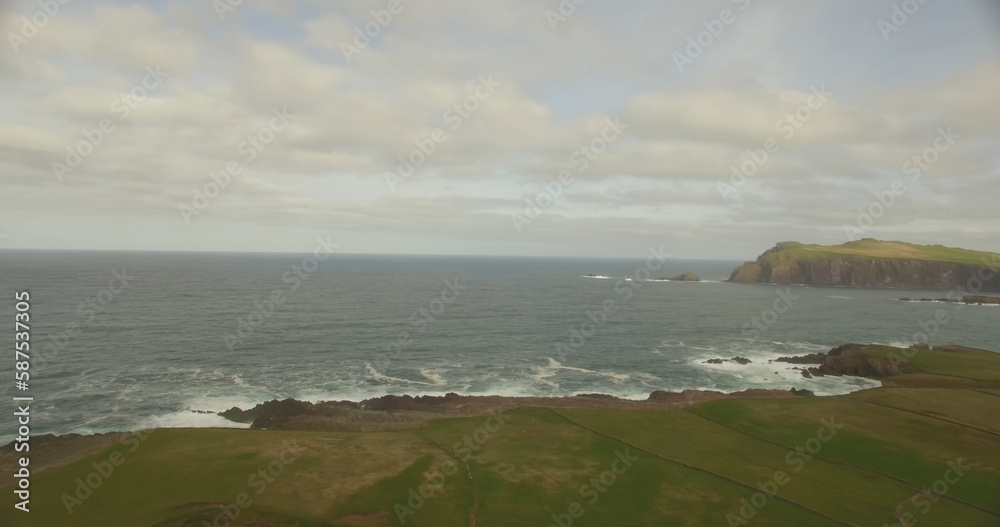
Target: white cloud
<point>354,119</point>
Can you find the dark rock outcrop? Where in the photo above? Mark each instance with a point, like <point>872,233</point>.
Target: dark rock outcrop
<point>270,410</point>
<point>849,360</point>
<point>686,277</point>
<point>737,360</point>
<point>978,299</point>
<point>812,358</point>
<point>967,299</point>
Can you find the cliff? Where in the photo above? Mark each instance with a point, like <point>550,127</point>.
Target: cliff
<point>874,263</point>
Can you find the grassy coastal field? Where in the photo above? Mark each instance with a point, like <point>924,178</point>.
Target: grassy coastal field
<point>871,248</point>
<point>922,450</point>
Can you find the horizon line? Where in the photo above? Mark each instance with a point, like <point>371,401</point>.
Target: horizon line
<point>190,251</point>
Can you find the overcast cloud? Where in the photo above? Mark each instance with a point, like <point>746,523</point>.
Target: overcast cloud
<point>841,92</point>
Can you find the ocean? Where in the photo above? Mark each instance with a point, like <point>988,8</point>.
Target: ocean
<point>131,340</point>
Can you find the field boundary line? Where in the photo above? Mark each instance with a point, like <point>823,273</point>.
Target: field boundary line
<point>700,469</point>
<point>956,423</point>
<point>474,511</point>
<point>987,393</point>
<point>844,463</point>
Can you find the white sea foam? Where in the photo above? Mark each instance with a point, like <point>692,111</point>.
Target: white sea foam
<point>189,419</point>
<point>760,373</point>
<point>435,377</point>
<point>554,366</point>
<point>374,374</point>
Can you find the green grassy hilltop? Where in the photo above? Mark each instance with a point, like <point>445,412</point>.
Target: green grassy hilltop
<point>925,448</point>
<point>872,248</point>
<point>875,263</point>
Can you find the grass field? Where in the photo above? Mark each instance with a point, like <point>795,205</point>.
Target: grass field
<point>867,458</point>
<point>870,248</point>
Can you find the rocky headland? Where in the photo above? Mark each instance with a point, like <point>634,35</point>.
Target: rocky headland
<point>874,263</point>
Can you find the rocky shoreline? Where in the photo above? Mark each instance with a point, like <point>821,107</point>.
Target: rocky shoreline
<point>405,411</point>
<point>395,411</point>
<point>978,300</point>
<point>848,359</point>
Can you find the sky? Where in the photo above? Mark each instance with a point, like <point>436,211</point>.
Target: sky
<point>712,129</point>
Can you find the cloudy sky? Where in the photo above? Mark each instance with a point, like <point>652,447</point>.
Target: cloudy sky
<point>503,127</point>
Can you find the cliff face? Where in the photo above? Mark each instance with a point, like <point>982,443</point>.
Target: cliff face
<point>859,271</point>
